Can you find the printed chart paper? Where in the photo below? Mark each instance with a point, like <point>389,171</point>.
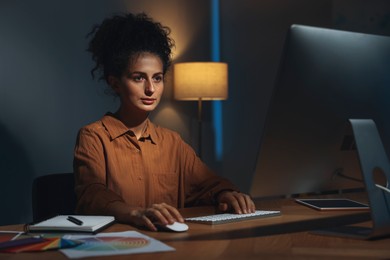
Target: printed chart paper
<point>115,243</point>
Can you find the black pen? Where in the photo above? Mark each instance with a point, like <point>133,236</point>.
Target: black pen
<point>75,220</point>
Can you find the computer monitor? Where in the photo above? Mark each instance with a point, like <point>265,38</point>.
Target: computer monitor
<point>326,77</point>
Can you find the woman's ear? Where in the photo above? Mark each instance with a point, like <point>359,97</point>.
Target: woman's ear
<point>114,83</point>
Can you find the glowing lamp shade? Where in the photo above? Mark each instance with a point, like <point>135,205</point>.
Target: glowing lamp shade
<point>200,81</point>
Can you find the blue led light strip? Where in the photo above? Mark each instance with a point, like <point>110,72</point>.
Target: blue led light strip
<point>216,105</point>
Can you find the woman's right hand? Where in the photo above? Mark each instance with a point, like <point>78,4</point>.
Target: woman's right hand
<point>162,214</point>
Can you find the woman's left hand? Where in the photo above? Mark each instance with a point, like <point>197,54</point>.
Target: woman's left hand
<point>238,202</point>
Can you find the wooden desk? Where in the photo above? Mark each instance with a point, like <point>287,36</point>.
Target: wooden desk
<point>271,238</point>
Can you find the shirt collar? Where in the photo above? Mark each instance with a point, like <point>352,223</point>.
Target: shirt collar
<point>116,128</point>
<point>149,133</point>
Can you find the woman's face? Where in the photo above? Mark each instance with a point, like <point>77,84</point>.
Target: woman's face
<point>141,86</point>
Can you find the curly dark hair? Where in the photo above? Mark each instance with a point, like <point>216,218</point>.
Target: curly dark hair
<point>120,38</point>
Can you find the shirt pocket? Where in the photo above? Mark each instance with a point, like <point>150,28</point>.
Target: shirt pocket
<point>166,188</point>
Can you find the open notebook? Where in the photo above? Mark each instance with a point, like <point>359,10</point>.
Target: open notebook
<point>73,223</point>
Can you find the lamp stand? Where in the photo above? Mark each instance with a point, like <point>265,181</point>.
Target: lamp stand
<point>200,127</point>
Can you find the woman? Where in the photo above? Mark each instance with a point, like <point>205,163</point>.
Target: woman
<point>125,165</point>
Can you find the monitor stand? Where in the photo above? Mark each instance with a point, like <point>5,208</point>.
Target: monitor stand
<point>375,166</point>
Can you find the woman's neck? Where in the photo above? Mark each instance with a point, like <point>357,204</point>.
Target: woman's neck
<point>135,123</point>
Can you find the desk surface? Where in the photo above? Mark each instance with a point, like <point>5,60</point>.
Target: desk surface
<point>272,238</point>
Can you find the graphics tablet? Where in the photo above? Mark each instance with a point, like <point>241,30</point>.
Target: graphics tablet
<point>333,204</point>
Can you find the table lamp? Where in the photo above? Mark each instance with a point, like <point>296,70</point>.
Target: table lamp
<point>200,81</point>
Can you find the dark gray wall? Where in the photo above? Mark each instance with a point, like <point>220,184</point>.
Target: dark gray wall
<point>46,93</point>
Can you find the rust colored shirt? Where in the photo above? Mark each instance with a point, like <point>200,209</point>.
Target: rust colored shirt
<point>113,168</point>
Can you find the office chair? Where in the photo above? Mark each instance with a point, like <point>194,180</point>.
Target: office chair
<point>53,195</point>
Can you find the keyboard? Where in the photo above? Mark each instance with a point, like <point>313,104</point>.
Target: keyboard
<point>230,217</point>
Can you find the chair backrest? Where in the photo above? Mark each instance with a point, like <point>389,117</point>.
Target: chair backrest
<point>53,195</point>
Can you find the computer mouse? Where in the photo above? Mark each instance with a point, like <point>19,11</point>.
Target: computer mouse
<point>175,227</point>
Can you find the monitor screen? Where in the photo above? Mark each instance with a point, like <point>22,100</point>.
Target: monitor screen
<point>326,77</point>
